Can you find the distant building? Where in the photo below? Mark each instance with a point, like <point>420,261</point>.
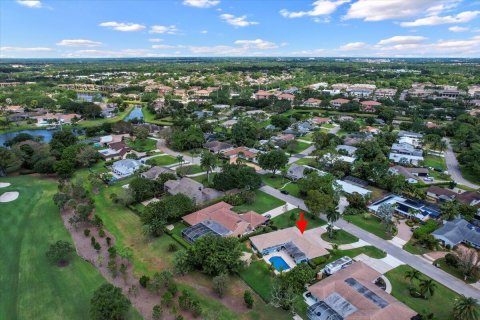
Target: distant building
<point>370,106</point>
<point>312,103</point>
<point>217,146</point>
<point>337,103</point>
<point>261,94</point>
<point>458,231</point>
<point>154,172</point>
<point>192,189</point>
<point>125,168</point>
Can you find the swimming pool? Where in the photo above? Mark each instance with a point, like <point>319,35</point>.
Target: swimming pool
<point>279,263</point>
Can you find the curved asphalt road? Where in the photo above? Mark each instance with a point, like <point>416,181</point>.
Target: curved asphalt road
<point>454,168</point>
<point>414,261</point>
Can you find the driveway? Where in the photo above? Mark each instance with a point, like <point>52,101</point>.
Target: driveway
<point>454,168</point>
<point>392,250</point>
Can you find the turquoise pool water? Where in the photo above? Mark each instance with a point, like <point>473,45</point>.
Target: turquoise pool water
<point>279,263</point>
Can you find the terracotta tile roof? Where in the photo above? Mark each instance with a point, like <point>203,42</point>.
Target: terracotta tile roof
<point>370,103</point>
<point>221,213</point>
<point>248,153</point>
<point>306,242</point>
<point>319,120</point>
<point>340,100</point>
<point>366,309</point>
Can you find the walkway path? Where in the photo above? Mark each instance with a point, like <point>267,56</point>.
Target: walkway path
<point>454,167</point>
<point>398,253</point>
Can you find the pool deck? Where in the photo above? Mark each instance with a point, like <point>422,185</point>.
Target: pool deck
<point>282,254</point>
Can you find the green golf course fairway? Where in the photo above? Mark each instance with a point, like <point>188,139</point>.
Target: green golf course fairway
<point>30,287</point>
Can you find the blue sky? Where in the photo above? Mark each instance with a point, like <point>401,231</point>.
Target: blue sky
<point>139,28</point>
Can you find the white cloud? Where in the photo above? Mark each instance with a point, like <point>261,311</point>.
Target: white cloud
<point>162,46</point>
<point>164,29</point>
<point>402,40</point>
<point>458,29</point>
<point>204,31</point>
<point>79,43</point>
<point>155,40</point>
<point>375,10</point>
<point>121,26</point>
<point>240,21</point>
<point>308,53</point>
<point>257,43</point>
<point>91,53</point>
<point>436,20</point>
<point>23,49</point>
<point>30,3</point>
<point>353,46</point>
<point>201,3</point>
<point>320,8</point>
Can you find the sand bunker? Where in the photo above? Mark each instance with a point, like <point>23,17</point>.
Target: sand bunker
<point>4,184</point>
<point>9,196</point>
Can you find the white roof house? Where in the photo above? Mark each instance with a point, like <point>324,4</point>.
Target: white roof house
<point>350,188</point>
<point>125,168</point>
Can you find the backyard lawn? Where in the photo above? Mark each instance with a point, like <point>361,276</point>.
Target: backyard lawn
<point>369,223</point>
<point>263,203</point>
<point>440,304</point>
<point>435,162</point>
<point>162,160</point>
<point>142,145</point>
<point>280,183</point>
<point>414,248</point>
<point>300,146</point>
<point>35,289</point>
<point>341,237</point>
<point>150,118</point>
<point>289,218</point>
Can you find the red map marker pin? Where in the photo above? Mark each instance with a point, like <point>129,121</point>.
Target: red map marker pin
<point>302,223</point>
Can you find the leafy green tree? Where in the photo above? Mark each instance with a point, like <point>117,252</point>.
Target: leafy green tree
<point>216,255</point>
<point>220,284</point>
<point>64,168</point>
<point>157,312</point>
<point>412,274</point>
<point>237,176</point>
<point>191,138</point>
<point>332,216</point>
<point>248,298</point>
<point>9,161</point>
<point>244,133</point>
<point>60,252</point>
<point>465,308</point>
<point>386,114</point>
<point>273,160</point>
<point>181,263</point>
<point>141,133</point>
<point>61,140</point>
<point>108,303</point>
<point>280,121</point>
<point>142,189</point>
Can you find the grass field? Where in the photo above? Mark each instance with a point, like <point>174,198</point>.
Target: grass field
<point>142,145</point>
<point>306,161</point>
<point>300,147</point>
<point>285,220</point>
<point>263,203</point>
<point>163,160</point>
<point>440,304</point>
<point>341,237</point>
<point>34,288</point>
<point>414,248</point>
<point>192,169</point>
<point>371,224</point>
<point>435,162</point>
<point>150,118</point>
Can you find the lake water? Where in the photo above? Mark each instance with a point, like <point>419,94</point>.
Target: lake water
<point>136,113</point>
<point>45,134</point>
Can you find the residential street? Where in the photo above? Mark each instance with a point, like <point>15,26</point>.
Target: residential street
<point>415,261</point>
<point>454,168</point>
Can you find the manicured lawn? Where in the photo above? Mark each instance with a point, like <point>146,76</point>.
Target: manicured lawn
<point>259,278</point>
<point>440,304</point>
<point>163,160</point>
<point>435,162</point>
<point>289,218</point>
<point>456,272</point>
<point>292,189</point>
<point>276,181</point>
<point>306,161</point>
<point>300,147</point>
<point>341,237</point>
<point>370,251</point>
<point>97,122</point>
<point>371,224</point>
<point>184,170</point>
<point>142,145</point>
<point>414,248</point>
<point>150,118</point>
<point>263,203</point>
<point>32,287</point>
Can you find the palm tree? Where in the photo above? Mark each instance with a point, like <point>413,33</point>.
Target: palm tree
<point>208,161</point>
<point>332,216</point>
<point>412,274</point>
<point>465,309</point>
<point>427,286</point>
<point>180,159</point>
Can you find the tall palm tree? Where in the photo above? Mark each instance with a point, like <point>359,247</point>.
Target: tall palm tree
<point>412,274</point>
<point>465,309</point>
<point>427,286</point>
<point>332,216</point>
<point>180,159</point>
